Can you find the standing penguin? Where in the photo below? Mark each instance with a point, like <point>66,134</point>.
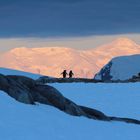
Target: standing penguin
<point>64,73</point>
<point>71,74</point>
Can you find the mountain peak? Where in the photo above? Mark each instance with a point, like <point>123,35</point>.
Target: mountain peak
<point>124,41</point>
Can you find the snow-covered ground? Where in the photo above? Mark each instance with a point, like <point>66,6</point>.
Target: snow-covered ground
<point>116,99</point>
<point>42,122</point>
<point>7,71</point>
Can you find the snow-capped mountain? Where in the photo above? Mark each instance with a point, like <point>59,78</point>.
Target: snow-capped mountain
<point>120,68</point>
<point>52,61</point>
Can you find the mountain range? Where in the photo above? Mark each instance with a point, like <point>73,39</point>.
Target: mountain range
<point>52,61</point>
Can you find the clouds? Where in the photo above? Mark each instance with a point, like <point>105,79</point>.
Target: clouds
<point>50,18</point>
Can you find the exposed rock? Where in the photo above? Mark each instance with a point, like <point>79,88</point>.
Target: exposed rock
<point>55,98</point>
<point>15,86</point>
<point>135,78</point>
<point>44,80</point>
<point>28,91</point>
<point>105,73</point>
<point>95,114</point>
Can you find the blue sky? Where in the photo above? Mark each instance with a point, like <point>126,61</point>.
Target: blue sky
<point>68,18</point>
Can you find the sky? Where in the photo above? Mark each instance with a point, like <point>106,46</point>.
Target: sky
<point>64,21</point>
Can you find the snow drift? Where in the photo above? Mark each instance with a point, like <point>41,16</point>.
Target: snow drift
<point>7,71</point>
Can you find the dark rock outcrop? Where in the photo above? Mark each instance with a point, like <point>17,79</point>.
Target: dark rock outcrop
<point>28,91</point>
<point>44,80</point>
<point>105,73</point>
<point>135,78</point>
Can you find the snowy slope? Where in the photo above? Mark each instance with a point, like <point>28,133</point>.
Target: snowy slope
<point>120,68</point>
<point>27,122</point>
<point>52,61</point>
<point>7,71</point>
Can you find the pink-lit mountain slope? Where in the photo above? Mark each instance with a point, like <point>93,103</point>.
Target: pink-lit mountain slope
<point>52,61</point>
